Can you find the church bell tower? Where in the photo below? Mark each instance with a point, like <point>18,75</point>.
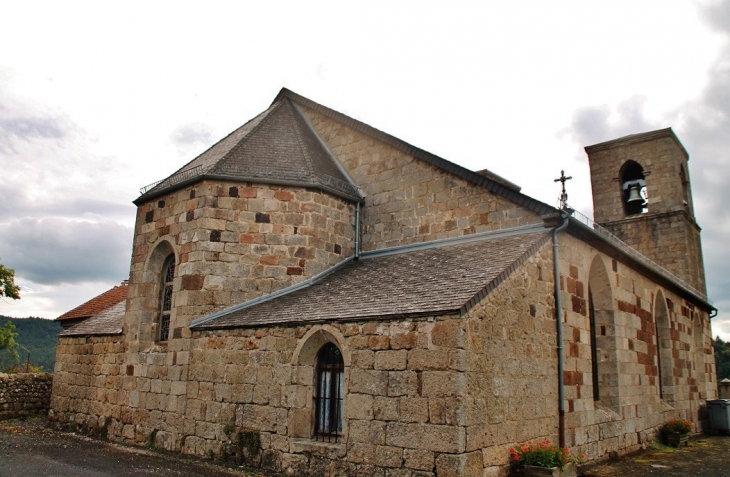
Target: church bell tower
<point>642,194</point>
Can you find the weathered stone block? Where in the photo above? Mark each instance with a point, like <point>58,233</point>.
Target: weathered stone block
<point>425,436</point>
<point>458,465</point>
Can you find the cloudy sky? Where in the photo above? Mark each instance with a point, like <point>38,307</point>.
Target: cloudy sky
<point>98,99</point>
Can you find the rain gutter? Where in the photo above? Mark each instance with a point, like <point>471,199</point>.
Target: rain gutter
<point>559,329</point>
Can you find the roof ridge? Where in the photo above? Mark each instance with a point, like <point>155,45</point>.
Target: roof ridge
<point>332,157</point>
<point>300,142</point>
<point>239,144</point>
<point>479,296</point>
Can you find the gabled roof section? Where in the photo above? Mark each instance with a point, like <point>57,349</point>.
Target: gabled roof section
<point>108,322</point>
<point>278,146</point>
<point>432,278</point>
<point>490,181</point>
<point>96,305</point>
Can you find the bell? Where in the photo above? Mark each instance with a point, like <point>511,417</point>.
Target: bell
<point>634,195</point>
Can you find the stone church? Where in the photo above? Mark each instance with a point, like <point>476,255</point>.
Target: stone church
<point>314,296</point>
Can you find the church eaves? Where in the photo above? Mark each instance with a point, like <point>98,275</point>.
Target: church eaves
<point>277,147</point>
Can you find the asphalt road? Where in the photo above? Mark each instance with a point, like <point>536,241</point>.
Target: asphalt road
<point>28,448</point>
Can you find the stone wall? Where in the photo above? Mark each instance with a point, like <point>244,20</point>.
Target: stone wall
<point>408,200</point>
<point>23,394</point>
<point>511,367</point>
<point>232,242</point>
<point>90,387</point>
<point>671,240</point>
<point>631,401</point>
<point>435,396</point>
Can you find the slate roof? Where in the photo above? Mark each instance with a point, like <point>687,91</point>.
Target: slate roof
<point>96,305</point>
<point>278,146</point>
<point>424,279</point>
<point>108,322</point>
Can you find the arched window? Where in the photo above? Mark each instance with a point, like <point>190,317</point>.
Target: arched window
<point>604,350</point>
<point>329,393</point>
<point>633,188</point>
<point>665,360</point>
<point>168,273</point>
<point>594,347</point>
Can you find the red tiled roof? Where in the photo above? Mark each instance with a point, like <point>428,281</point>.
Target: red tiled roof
<point>108,322</point>
<point>97,305</point>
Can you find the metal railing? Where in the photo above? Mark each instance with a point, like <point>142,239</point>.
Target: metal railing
<point>636,255</point>
<point>173,179</point>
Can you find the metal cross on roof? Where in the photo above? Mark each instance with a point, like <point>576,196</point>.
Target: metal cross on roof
<point>564,194</point>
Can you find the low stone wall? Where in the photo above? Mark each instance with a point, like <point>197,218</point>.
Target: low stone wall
<point>24,394</point>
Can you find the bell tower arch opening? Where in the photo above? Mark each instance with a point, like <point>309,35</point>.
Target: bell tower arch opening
<point>633,188</point>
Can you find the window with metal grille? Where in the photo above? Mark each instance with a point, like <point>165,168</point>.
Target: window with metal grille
<point>329,393</point>
<point>168,273</point>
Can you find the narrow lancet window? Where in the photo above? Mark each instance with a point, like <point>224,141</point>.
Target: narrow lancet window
<point>168,273</point>
<point>329,393</point>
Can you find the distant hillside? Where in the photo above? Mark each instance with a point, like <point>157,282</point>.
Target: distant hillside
<point>39,336</point>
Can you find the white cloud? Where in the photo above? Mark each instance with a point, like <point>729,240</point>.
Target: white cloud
<point>119,99</point>
<point>56,251</point>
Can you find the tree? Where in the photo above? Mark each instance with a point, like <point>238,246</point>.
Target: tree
<point>8,287</point>
<point>722,358</point>
<point>7,341</point>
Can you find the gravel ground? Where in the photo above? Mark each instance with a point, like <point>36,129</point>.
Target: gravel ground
<point>29,448</point>
<point>705,456</point>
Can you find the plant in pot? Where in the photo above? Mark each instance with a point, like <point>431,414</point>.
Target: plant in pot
<point>542,458</point>
<point>676,431</point>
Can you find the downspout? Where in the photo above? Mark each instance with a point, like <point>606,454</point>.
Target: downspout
<point>357,231</point>
<point>559,323</point>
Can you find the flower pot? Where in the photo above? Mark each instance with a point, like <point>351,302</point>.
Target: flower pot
<point>532,471</point>
<point>676,439</point>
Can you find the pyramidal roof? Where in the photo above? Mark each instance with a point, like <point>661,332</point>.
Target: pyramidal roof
<point>278,146</point>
